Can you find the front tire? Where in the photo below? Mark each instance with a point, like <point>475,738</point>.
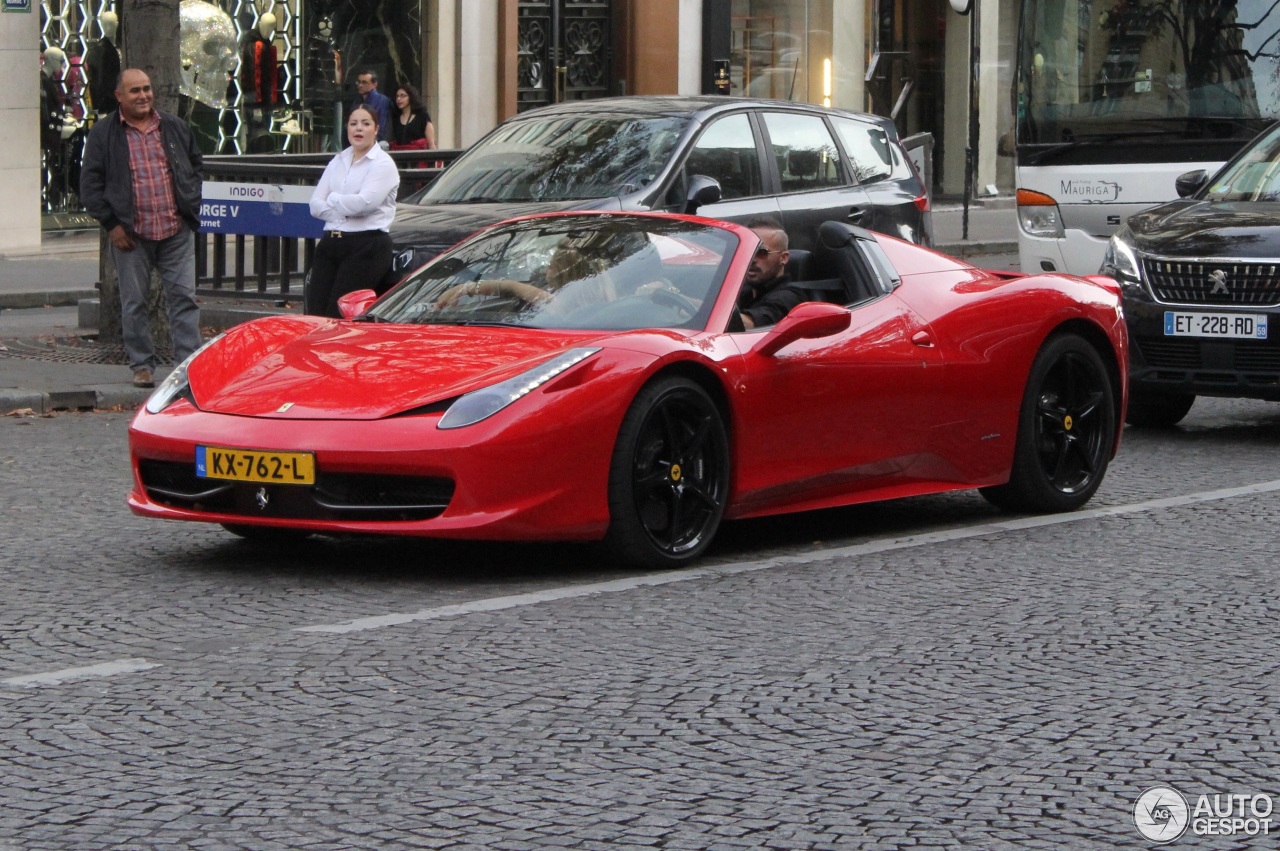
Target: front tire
<point>1066,431</point>
<point>669,476</point>
<point>1158,410</point>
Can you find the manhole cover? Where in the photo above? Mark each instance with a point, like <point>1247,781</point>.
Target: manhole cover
<point>72,350</point>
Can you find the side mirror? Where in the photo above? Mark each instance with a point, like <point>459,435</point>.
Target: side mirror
<point>355,303</point>
<point>702,190</point>
<point>809,321</point>
<point>1189,184</point>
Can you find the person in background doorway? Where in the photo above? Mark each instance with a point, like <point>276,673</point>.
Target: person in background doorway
<point>356,199</point>
<point>411,128</point>
<point>378,103</point>
<point>141,180</point>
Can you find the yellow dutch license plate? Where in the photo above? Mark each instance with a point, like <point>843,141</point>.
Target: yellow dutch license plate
<point>251,465</point>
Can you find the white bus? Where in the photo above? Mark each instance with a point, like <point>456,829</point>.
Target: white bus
<point>1116,98</point>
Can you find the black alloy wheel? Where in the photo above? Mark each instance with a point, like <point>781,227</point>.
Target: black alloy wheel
<point>669,477</point>
<point>1158,410</point>
<point>1066,430</point>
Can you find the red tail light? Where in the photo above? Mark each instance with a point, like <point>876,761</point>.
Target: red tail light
<point>922,203</point>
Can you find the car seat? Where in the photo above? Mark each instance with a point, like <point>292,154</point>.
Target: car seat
<point>837,256</point>
<point>802,170</point>
<point>800,265</point>
<point>800,270</point>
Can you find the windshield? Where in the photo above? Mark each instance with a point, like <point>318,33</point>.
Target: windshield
<point>1155,73</point>
<point>1253,177</point>
<point>560,158</point>
<point>571,272</point>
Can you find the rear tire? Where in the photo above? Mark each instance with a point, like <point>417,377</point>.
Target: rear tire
<point>669,476</point>
<point>1066,431</point>
<point>1158,410</point>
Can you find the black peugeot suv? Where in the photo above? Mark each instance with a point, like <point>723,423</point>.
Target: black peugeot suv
<point>1200,278</point>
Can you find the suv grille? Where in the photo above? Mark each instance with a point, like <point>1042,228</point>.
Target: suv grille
<point>1213,361</point>
<point>1213,282</point>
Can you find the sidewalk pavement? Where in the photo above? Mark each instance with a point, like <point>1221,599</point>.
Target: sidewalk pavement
<point>50,359</point>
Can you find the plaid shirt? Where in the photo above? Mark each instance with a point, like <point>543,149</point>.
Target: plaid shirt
<point>155,212</point>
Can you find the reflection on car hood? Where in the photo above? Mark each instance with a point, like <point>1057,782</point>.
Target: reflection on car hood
<point>303,367</point>
<point>1189,228</point>
<point>446,224</point>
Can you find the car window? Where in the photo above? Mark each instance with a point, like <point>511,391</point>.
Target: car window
<point>571,272</point>
<point>726,150</point>
<point>1253,177</point>
<point>574,157</point>
<point>804,150</point>
<point>868,147</point>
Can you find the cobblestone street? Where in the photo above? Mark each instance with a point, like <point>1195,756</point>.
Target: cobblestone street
<point>927,673</point>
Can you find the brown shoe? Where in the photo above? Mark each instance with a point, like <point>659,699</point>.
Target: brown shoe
<point>142,378</point>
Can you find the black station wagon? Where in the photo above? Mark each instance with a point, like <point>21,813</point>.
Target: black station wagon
<point>721,157</point>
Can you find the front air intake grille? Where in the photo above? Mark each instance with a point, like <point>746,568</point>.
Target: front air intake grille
<point>1216,282</point>
<point>334,496</point>
<point>1170,354</point>
<point>1216,355</point>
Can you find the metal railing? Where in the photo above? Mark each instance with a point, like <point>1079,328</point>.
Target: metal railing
<point>268,267</point>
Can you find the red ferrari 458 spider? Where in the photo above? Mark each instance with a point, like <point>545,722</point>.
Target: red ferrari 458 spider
<point>587,377</point>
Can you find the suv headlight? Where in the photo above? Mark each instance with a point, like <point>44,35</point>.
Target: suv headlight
<point>410,258</point>
<point>1120,262</point>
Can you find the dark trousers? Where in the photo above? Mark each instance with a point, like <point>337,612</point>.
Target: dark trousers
<point>344,264</point>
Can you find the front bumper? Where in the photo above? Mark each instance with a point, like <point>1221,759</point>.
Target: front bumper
<point>1239,368</point>
<point>397,476</point>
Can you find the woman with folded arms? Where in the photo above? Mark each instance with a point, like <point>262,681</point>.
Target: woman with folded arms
<point>356,199</point>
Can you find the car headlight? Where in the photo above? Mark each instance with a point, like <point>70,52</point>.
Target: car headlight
<point>175,384</point>
<point>481,404</point>
<point>1120,262</point>
<point>1038,215</point>
<point>407,260</point>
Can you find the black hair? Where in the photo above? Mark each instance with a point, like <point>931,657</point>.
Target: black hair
<point>416,106</point>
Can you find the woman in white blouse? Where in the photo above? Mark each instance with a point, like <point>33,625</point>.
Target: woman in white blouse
<point>356,199</point>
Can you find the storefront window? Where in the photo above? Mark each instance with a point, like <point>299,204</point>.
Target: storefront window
<point>257,76</point>
<point>782,49</point>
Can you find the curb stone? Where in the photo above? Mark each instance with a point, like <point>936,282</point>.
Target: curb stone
<point>93,398</point>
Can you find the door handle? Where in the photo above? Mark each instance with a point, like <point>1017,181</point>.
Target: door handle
<point>856,215</point>
<point>922,339</point>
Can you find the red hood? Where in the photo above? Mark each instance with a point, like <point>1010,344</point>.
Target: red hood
<point>326,368</point>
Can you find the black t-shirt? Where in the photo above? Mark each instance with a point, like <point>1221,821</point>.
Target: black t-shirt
<point>773,303</point>
<point>402,134</point>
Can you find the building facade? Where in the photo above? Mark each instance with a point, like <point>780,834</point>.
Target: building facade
<point>263,76</point>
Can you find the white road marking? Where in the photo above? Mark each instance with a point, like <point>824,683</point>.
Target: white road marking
<point>534,598</point>
<point>493,604</point>
<point>105,669</point>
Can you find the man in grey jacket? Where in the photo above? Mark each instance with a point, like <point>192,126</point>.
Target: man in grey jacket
<point>140,177</point>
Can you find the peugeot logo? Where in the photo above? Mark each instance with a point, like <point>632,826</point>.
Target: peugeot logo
<point>262,499</point>
<point>1219,280</point>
